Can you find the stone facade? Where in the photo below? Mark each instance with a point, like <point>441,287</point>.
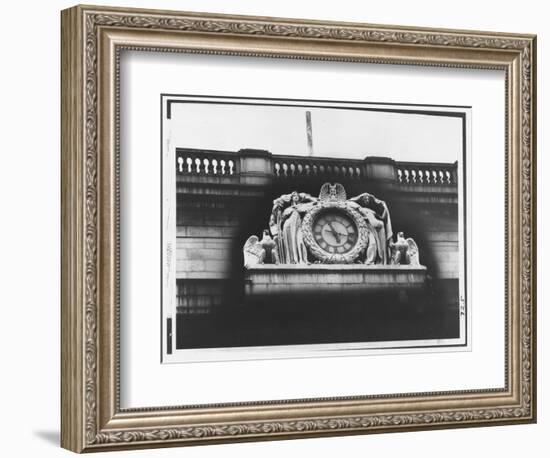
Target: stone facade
<point>222,197</point>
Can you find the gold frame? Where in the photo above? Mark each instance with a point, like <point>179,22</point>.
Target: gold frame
<point>91,40</point>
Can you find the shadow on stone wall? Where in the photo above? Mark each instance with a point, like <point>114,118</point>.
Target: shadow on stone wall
<point>310,319</point>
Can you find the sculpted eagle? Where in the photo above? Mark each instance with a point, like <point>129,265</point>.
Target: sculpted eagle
<point>260,251</point>
<point>404,251</point>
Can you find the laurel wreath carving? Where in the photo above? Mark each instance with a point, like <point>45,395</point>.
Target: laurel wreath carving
<point>93,21</point>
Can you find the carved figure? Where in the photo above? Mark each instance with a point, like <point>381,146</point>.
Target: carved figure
<point>404,251</point>
<point>372,252</point>
<point>332,192</point>
<point>270,248</point>
<point>377,215</point>
<point>286,226</point>
<point>260,251</point>
<point>253,252</point>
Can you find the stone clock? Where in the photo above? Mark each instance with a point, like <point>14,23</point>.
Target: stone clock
<point>334,232</point>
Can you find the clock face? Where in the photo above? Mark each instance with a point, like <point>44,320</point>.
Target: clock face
<point>335,231</point>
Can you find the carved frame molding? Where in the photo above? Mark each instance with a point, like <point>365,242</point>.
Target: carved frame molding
<point>92,38</point>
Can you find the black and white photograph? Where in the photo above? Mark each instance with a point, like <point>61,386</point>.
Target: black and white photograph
<point>276,228</point>
<point>297,228</point>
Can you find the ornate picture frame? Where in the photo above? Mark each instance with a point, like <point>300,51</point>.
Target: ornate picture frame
<point>92,41</point>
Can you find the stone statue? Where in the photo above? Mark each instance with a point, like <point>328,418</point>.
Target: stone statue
<point>330,229</point>
<point>404,252</point>
<point>286,226</point>
<point>260,252</point>
<point>377,215</point>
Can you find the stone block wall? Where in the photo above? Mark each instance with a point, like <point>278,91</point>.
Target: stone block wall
<point>207,235</point>
<point>441,235</point>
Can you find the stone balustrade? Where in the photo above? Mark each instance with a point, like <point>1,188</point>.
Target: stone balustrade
<point>206,163</point>
<point>257,167</point>
<point>286,167</point>
<point>426,173</point>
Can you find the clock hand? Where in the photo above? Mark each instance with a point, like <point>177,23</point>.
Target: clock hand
<point>343,234</point>
<point>334,232</point>
<point>331,231</point>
